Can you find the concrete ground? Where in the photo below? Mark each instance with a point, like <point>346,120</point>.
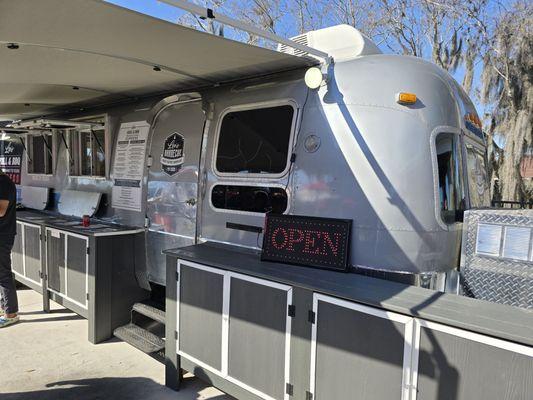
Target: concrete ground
<point>48,357</point>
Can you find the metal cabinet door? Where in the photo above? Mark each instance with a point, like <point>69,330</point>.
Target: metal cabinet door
<point>77,263</point>
<point>17,252</point>
<point>259,335</point>
<point>173,182</point>
<point>55,260</point>
<point>32,253</point>
<point>200,303</point>
<point>359,352</point>
<point>456,364</point>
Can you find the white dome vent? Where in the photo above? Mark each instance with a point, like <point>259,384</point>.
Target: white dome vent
<point>342,42</point>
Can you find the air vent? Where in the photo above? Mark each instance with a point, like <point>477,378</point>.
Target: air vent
<point>300,39</point>
<point>341,42</point>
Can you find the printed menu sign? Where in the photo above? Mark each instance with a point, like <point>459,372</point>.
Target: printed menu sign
<point>128,166</point>
<point>11,159</point>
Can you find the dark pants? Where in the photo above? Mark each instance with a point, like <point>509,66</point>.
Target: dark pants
<point>8,292</point>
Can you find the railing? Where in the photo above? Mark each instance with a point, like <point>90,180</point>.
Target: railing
<point>512,204</point>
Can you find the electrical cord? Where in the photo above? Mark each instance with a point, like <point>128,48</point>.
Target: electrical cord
<point>295,145</point>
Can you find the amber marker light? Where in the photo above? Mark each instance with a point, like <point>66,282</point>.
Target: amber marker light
<point>405,98</point>
<point>474,119</point>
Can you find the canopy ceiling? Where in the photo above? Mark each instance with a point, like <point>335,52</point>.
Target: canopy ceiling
<point>74,53</point>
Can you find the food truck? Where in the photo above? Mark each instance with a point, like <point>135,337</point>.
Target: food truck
<point>288,223</point>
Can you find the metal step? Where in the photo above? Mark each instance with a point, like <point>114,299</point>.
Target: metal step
<point>140,338</point>
<point>151,312</point>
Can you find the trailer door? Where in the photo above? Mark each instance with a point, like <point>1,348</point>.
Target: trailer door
<point>172,186</point>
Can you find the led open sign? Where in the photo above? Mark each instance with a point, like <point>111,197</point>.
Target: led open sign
<point>311,241</point>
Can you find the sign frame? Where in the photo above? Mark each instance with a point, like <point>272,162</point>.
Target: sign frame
<point>307,241</point>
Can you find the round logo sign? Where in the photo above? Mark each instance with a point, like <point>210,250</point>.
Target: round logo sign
<point>172,157</point>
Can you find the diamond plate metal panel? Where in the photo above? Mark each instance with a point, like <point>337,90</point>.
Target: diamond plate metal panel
<point>507,276</point>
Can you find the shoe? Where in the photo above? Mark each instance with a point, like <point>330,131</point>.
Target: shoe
<point>4,321</point>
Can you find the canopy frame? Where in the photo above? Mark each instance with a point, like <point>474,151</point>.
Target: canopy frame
<point>208,13</point>
<point>49,124</point>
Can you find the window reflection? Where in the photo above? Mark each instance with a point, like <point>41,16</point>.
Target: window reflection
<point>451,191</point>
<point>40,153</point>
<point>87,148</point>
<point>478,183</point>
<point>255,141</point>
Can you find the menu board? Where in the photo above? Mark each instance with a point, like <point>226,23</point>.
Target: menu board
<point>128,166</point>
<point>11,159</point>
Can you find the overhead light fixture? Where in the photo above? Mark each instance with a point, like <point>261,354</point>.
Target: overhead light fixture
<point>314,78</point>
<point>156,68</point>
<point>13,46</point>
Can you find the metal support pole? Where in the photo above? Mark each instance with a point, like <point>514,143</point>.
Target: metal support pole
<point>208,13</point>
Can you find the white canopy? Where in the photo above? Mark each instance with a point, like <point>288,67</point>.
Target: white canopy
<point>58,53</point>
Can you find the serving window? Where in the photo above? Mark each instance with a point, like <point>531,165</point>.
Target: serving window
<point>40,153</point>
<point>87,152</point>
<point>255,141</point>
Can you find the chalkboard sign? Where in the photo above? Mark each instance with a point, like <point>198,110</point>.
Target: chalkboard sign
<point>310,241</point>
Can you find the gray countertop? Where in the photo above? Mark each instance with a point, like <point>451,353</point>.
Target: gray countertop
<point>74,225</point>
<point>479,316</point>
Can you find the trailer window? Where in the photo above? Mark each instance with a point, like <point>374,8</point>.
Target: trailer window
<point>87,152</point>
<point>451,192</point>
<point>249,198</point>
<point>40,152</point>
<point>478,183</point>
<point>255,141</point>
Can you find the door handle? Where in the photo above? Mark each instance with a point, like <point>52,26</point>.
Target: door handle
<point>191,201</point>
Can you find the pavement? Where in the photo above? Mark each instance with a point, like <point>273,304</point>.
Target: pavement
<point>48,357</point>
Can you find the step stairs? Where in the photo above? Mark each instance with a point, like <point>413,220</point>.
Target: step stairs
<point>146,329</point>
<point>150,311</point>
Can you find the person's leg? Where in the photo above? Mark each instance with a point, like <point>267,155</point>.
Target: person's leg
<point>8,291</point>
<point>2,305</point>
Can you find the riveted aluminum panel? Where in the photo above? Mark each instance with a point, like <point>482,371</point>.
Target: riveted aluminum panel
<point>156,242</point>
<point>257,328</point>
<point>452,367</point>
<point>200,315</point>
<point>172,196</point>
<point>32,252</point>
<point>77,269</point>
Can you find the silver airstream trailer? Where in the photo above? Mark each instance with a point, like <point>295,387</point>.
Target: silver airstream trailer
<point>350,148</point>
<point>190,140</point>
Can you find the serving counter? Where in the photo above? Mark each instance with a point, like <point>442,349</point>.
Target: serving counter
<point>89,270</point>
<point>277,331</point>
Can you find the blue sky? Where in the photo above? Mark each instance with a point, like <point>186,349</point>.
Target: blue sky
<point>150,7</point>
